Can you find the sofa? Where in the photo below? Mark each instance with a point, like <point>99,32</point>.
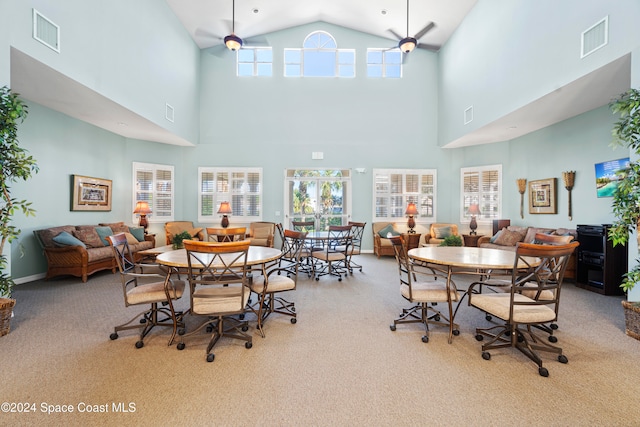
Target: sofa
<point>81,250</point>
<point>381,230</point>
<point>507,237</point>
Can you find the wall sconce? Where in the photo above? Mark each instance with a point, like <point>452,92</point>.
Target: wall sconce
<point>411,211</point>
<point>522,187</point>
<point>569,178</point>
<point>225,209</point>
<point>143,209</point>
<point>474,210</point>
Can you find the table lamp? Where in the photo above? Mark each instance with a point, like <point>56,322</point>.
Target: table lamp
<point>143,209</point>
<point>225,208</point>
<point>474,210</point>
<point>411,211</point>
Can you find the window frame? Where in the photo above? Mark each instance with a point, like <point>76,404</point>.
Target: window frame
<point>407,196</point>
<point>467,197</point>
<point>220,196</point>
<point>384,65</point>
<point>339,63</point>
<point>154,198</point>
<point>255,62</point>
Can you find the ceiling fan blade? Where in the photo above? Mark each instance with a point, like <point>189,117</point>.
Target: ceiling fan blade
<point>396,35</point>
<point>206,33</point>
<point>424,31</point>
<point>257,41</point>
<point>431,47</point>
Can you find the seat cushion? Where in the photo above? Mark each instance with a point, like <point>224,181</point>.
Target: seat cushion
<point>498,305</point>
<point>276,284</point>
<point>152,292</point>
<point>435,291</point>
<point>388,230</point>
<point>219,300</point>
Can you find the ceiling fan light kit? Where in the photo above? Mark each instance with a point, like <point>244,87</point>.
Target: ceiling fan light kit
<point>233,42</point>
<point>407,44</point>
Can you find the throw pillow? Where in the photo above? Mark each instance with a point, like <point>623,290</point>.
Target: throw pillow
<point>103,232</point>
<point>66,239</point>
<point>261,232</point>
<point>89,237</point>
<point>509,238</point>
<point>495,236</point>
<point>384,233</point>
<point>131,240</point>
<point>442,232</point>
<point>138,233</point>
<point>194,231</point>
<point>117,227</point>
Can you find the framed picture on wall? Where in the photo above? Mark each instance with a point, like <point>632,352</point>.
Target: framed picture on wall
<point>607,176</point>
<point>542,196</point>
<point>90,194</point>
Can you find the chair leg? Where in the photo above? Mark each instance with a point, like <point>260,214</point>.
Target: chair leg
<point>147,320</point>
<point>419,313</point>
<point>222,326</point>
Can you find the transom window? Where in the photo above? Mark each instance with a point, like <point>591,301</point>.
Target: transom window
<point>386,63</point>
<point>319,57</point>
<point>255,61</point>
<point>241,187</point>
<point>394,189</point>
<point>481,185</point>
<point>154,184</point>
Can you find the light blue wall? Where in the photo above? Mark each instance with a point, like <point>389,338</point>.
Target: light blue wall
<point>276,123</point>
<point>508,53</point>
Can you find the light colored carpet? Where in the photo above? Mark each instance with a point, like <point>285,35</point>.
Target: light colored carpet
<point>339,365</point>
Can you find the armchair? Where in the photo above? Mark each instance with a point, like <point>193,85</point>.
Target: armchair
<point>438,232</point>
<point>261,233</point>
<point>176,227</point>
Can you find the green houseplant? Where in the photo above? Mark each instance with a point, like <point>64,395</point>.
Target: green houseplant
<point>452,241</point>
<point>178,238</point>
<point>626,198</point>
<point>15,164</point>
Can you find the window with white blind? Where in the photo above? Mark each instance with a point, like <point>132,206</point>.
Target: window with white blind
<point>241,187</point>
<point>481,185</point>
<point>154,184</point>
<point>393,189</point>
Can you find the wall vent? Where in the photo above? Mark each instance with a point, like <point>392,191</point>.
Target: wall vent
<point>169,113</point>
<point>45,31</point>
<point>595,37</point>
<point>468,115</point>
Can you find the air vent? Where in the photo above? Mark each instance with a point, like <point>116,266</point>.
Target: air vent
<point>45,31</point>
<point>468,115</point>
<point>169,113</point>
<point>595,37</point>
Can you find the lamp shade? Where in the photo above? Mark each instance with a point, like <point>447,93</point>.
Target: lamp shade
<point>225,208</point>
<point>411,209</point>
<point>407,44</point>
<point>233,42</point>
<point>474,209</point>
<point>142,208</point>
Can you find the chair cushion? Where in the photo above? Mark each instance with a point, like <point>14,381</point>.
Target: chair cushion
<point>152,292</point>
<point>216,299</point>
<point>428,292</point>
<point>545,295</point>
<point>498,305</point>
<point>66,239</point>
<point>89,237</point>
<point>384,233</point>
<point>276,284</point>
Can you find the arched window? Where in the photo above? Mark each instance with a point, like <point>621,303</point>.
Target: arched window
<point>319,57</point>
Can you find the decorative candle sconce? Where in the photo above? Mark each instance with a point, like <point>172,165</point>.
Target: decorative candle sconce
<point>522,187</point>
<point>569,178</point>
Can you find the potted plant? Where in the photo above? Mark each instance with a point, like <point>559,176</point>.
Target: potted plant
<point>15,164</point>
<point>178,238</point>
<point>452,241</point>
<point>626,199</point>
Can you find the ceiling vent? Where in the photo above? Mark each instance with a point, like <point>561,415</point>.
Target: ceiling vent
<point>468,115</point>
<point>595,37</point>
<point>45,31</point>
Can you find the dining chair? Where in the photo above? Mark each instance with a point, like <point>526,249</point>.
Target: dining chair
<point>145,284</point>
<point>521,306</point>
<point>279,277</point>
<point>280,232</point>
<point>229,234</point>
<point>219,283</point>
<point>333,258</point>
<point>424,290</point>
<point>357,231</point>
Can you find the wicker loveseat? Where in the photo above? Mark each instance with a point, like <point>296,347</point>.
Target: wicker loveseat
<point>82,250</point>
<point>507,238</point>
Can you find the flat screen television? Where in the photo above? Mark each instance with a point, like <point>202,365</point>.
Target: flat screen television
<point>607,177</point>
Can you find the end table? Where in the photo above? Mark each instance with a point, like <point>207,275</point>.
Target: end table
<point>471,239</point>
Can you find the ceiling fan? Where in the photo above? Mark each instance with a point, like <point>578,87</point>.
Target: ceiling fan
<point>232,41</point>
<point>408,43</point>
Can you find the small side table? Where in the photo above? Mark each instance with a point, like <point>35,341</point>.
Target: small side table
<point>471,239</point>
